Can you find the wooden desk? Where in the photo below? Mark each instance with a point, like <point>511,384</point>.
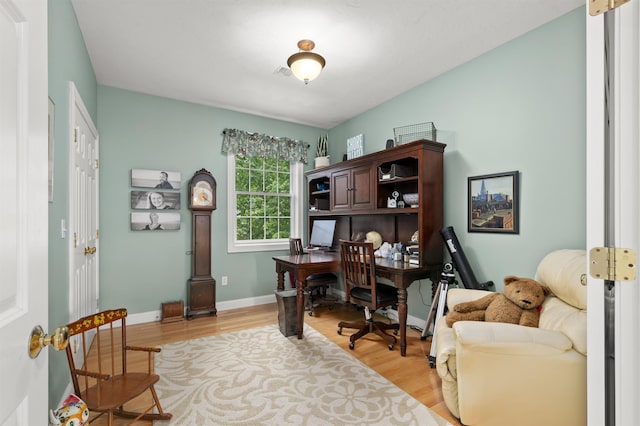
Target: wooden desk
<point>400,273</point>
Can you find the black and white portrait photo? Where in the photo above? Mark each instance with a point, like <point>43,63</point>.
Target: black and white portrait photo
<point>160,179</point>
<point>155,200</point>
<point>155,221</point>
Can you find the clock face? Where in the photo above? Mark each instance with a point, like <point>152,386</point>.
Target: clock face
<point>202,195</point>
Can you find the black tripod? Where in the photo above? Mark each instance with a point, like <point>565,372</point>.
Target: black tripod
<point>459,260</point>
<point>447,278</point>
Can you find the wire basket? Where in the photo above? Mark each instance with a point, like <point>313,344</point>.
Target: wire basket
<point>414,132</point>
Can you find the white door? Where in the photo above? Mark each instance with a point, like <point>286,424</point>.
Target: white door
<point>23,216</point>
<point>614,213</point>
<point>83,208</point>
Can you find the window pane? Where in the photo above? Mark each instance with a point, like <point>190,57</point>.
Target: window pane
<point>271,181</point>
<point>272,206</point>
<point>244,227</point>
<point>272,228</point>
<point>284,165</point>
<point>257,181</point>
<point>256,163</point>
<point>242,162</point>
<point>242,180</point>
<point>270,164</point>
<point>243,205</point>
<point>285,228</point>
<point>285,206</point>
<point>257,229</point>
<point>283,183</point>
<point>257,205</point>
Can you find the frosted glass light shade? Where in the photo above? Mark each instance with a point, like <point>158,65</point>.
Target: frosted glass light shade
<point>306,66</point>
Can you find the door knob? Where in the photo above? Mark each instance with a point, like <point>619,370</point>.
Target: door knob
<point>39,339</point>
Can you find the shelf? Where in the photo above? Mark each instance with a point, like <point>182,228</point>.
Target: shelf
<point>326,191</point>
<point>397,180</point>
<point>382,211</point>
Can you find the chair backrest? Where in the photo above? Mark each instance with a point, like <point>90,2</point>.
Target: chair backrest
<point>295,246</point>
<point>105,334</point>
<point>358,268</point>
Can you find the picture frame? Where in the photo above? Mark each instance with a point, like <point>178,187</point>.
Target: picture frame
<point>355,146</point>
<point>160,179</point>
<point>155,200</point>
<point>493,203</point>
<point>154,221</point>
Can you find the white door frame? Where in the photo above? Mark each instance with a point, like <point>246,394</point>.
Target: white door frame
<point>83,209</point>
<point>624,210</point>
<point>24,214</point>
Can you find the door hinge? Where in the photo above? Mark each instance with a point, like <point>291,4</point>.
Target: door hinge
<point>597,7</point>
<point>75,240</point>
<point>612,264</point>
<point>97,234</point>
<point>97,164</point>
<point>75,135</point>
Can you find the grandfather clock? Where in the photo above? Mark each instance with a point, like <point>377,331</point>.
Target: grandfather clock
<point>201,287</point>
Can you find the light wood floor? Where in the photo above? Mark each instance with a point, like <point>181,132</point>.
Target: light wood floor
<point>411,373</point>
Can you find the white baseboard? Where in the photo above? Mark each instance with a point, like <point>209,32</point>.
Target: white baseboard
<point>152,316</point>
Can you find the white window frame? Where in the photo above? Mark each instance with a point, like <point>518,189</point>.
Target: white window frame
<point>296,188</point>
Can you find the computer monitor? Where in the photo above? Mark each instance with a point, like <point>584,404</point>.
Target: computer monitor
<point>322,233</point>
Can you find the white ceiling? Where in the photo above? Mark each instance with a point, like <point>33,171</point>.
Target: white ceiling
<point>229,53</point>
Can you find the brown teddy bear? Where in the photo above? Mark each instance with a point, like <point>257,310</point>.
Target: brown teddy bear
<point>520,303</point>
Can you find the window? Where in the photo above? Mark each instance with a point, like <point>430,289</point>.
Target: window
<point>265,203</point>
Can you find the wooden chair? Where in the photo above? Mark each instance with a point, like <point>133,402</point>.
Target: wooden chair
<point>362,289</point>
<point>102,379</point>
<point>315,284</point>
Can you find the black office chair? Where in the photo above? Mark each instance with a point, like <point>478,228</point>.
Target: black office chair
<point>316,285</point>
<point>358,268</point>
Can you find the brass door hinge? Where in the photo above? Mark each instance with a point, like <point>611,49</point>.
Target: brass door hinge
<point>612,264</point>
<point>597,7</point>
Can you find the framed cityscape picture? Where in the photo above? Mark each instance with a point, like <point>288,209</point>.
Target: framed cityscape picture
<point>493,202</point>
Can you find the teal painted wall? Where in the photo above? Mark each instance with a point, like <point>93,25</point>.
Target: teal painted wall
<point>144,269</point>
<point>519,107</point>
<point>68,61</point>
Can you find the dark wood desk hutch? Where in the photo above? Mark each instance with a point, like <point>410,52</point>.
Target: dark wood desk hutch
<point>356,192</point>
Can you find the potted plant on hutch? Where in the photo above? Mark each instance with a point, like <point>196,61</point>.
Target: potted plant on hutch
<point>322,151</point>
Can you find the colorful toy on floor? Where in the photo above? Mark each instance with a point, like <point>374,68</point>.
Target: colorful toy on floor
<point>73,412</point>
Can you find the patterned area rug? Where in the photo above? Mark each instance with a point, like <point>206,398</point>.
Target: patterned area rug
<point>260,377</point>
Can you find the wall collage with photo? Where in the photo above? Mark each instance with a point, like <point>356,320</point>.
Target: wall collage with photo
<point>156,193</point>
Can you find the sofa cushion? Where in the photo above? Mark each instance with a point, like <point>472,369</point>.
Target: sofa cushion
<point>562,271</point>
<point>572,322</point>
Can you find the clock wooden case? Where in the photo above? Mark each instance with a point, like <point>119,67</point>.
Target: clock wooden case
<point>201,287</point>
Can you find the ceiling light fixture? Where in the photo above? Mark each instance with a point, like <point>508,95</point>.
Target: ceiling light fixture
<point>305,64</point>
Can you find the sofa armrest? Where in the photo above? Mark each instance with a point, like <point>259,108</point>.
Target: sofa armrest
<point>499,362</point>
<point>445,351</point>
<point>494,337</point>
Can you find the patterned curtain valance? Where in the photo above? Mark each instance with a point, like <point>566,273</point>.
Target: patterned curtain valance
<point>239,142</point>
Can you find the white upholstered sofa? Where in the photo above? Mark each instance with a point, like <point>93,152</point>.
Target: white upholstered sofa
<point>506,374</point>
